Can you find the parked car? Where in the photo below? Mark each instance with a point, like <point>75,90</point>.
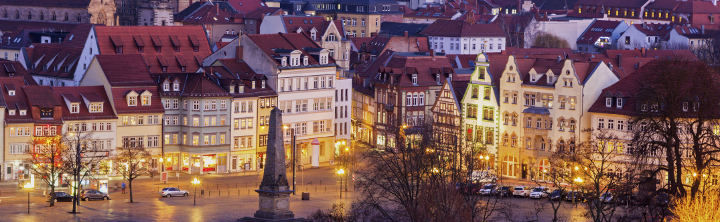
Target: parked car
<point>539,193</point>
<point>173,192</point>
<point>556,194</point>
<point>89,194</point>
<point>504,191</point>
<point>574,195</point>
<point>487,189</point>
<point>60,196</point>
<point>521,191</point>
<point>606,197</point>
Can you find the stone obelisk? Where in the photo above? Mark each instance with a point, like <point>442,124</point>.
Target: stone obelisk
<point>274,190</point>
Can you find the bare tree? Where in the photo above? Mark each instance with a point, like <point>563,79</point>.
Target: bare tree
<point>46,158</point>
<point>419,179</point>
<point>82,160</point>
<point>678,120</point>
<point>131,164</point>
<point>547,40</point>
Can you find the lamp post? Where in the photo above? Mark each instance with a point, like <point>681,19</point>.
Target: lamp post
<point>28,186</point>
<point>340,173</point>
<point>292,146</point>
<point>195,182</point>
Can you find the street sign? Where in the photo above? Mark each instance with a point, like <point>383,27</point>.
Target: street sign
<point>163,177</point>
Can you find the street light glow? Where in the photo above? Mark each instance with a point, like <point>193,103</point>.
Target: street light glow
<point>195,181</point>
<point>578,180</point>
<point>341,171</point>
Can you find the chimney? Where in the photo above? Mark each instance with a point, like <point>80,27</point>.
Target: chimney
<point>619,60</point>
<point>702,27</point>
<point>714,2</point>
<point>642,51</point>
<point>239,53</point>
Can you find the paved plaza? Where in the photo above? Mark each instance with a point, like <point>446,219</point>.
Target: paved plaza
<point>226,198</point>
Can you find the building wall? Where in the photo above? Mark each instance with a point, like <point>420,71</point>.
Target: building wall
<point>343,110</point>
<point>634,39</point>
<point>289,99</point>
<point>363,118</point>
<point>216,31</point>
<point>97,12</point>
<point>155,13</point>
<point>480,80</point>
<point>14,163</point>
<point>339,46</point>
<point>10,54</point>
<point>567,30</point>
<point>261,133</point>
<point>466,45</point>
<point>357,29</point>
<point>244,110</point>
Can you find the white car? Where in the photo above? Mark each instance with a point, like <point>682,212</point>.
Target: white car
<point>521,191</point>
<point>539,193</point>
<point>487,189</point>
<point>173,192</point>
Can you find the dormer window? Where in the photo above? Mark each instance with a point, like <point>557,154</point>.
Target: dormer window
<point>262,84</point>
<point>75,108</point>
<point>685,106</point>
<point>11,92</point>
<point>145,98</point>
<point>132,100</point>
<point>313,34</point>
<point>608,102</point>
<point>252,84</point>
<point>176,86</point>
<point>11,112</point>
<point>166,86</point>
<point>283,61</point>
<point>414,78</point>
<point>164,68</point>
<point>619,102</point>
<point>305,60</point>
<point>323,59</point>
<point>96,107</point>
<point>23,112</point>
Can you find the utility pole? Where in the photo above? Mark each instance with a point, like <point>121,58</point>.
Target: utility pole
<point>77,174</point>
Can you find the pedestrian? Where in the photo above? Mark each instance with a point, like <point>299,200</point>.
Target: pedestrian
<point>123,187</point>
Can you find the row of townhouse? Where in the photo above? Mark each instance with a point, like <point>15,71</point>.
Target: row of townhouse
<point>198,111</point>
<point>516,108</point>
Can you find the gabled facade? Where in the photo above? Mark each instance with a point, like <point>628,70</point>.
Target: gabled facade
<point>445,119</point>
<point>196,128</point>
<point>135,100</point>
<point>480,108</point>
<point>650,36</point>
<point>542,105</point>
<point>303,75</point>
<point>328,34</point>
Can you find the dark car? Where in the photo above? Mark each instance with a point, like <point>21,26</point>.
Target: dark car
<point>468,188</point>
<point>504,191</point>
<point>60,196</point>
<point>556,194</point>
<point>574,195</point>
<point>90,194</point>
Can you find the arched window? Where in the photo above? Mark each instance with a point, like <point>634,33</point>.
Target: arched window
<point>514,119</point>
<point>572,125</point>
<point>506,119</point>
<point>408,100</point>
<point>505,139</point>
<point>561,146</point>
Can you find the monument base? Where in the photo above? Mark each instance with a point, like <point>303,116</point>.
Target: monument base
<point>255,219</point>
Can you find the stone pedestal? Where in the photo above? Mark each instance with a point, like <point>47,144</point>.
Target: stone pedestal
<point>274,205</point>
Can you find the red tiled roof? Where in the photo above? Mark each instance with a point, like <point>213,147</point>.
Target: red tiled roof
<point>125,70</point>
<point>16,102</point>
<point>210,14</point>
<point>20,33</point>
<point>121,105</point>
<point>39,96</point>
<point>246,6</point>
<point>402,65</point>
<point>455,28</point>
<point>193,85</point>
<point>599,28</point>
<point>628,87</point>
<point>80,94</point>
<point>234,72</point>
<point>172,41</point>
<point>15,69</point>
<point>273,44</point>
<point>661,30</point>
<point>53,59</point>
<point>48,3</point>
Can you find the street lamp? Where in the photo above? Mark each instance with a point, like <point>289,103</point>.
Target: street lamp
<point>292,146</point>
<point>28,186</point>
<point>195,182</point>
<point>340,173</point>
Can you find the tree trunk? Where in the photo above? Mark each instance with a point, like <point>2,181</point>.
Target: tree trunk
<point>52,190</point>
<point>130,186</point>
